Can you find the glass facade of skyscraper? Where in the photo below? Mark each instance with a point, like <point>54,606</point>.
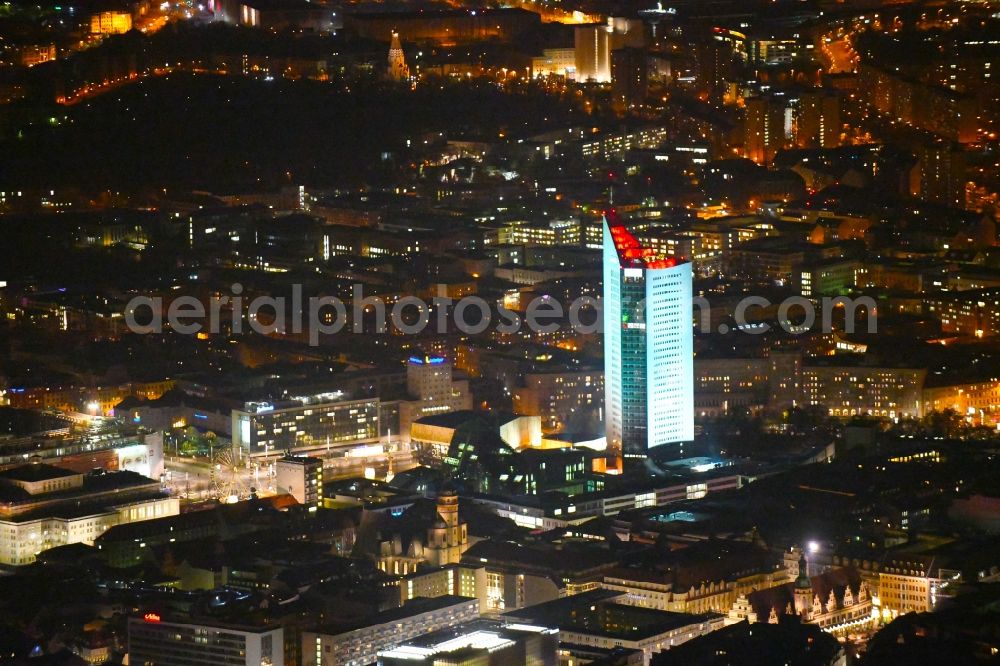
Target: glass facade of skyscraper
<point>648,355</point>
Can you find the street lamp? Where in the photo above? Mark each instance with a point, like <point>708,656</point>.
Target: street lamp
<point>813,548</point>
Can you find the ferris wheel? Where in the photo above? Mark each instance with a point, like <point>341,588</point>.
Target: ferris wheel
<point>228,475</point>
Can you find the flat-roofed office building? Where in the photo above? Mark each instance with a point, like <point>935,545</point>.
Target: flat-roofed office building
<point>156,641</point>
<point>307,423</point>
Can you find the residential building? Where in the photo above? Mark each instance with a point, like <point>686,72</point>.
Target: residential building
<point>558,397</point>
<point>629,76</point>
<point>818,120</point>
<point>764,132</point>
<point>974,313</point>
<point>724,384</point>
<point>853,390</point>
<point>615,146</point>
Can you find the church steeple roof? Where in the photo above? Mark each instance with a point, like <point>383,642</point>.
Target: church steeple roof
<point>397,68</point>
<point>802,581</point>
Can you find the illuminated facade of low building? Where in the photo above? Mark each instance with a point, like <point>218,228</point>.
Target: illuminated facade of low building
<point>110,23</point>
<point>554,232</point>
<point>100,401</point>
<point>648,590</point>
<point>977,401</point>
<point>555,62</point>
<point>828,278</point>
<point>672,243</point>
<point>837,601</point>
<point>905,585</point>
<point>42,507</point>
<point>37,54</point>
<point>919,577</point>
<point>523,576</point>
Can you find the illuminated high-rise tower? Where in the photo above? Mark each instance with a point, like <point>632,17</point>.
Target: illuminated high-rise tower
<point>648,347</point>
<point>398,71</point>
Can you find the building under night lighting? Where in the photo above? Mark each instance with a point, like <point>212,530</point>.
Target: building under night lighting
<point>307,423</point>
<point>648,355</point>
<point>153,639</point>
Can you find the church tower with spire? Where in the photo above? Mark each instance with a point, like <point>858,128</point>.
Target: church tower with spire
<point>448,538</point>
<point>397,69</point>
<point>803,591</point>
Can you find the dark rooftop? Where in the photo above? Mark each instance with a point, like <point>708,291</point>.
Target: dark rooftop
<point>597,613</point>
<point>459,417</point>
<point>35,472</point>
<point>93,495</point>
<point>413,607</point>
<point>759,643</point>
<point>435,14</point>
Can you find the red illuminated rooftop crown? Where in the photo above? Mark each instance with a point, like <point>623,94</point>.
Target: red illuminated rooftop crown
<point>631,254</point>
